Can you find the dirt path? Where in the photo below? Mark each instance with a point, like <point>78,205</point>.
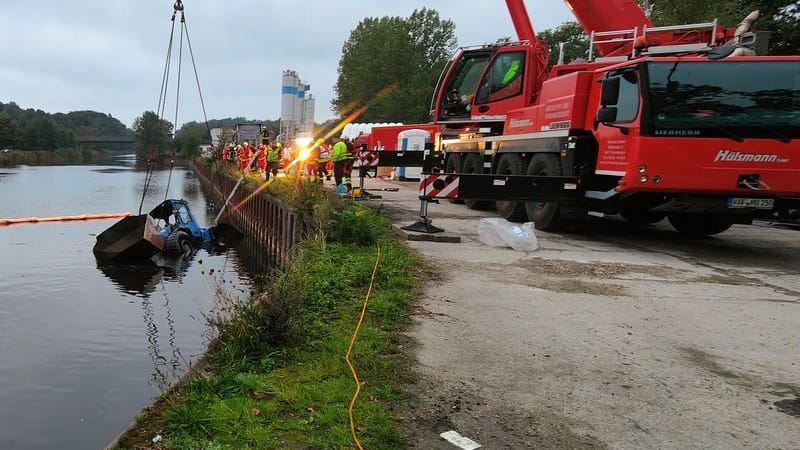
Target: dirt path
<point>609,336</point>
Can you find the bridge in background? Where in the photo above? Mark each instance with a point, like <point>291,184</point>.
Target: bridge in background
<point>105,143</point>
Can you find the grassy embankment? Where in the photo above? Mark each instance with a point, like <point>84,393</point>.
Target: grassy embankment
<point>276,376</point>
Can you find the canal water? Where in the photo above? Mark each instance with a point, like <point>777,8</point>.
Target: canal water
<point>84,346</point>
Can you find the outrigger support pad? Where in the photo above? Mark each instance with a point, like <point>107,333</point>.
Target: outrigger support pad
<point>423,223</point>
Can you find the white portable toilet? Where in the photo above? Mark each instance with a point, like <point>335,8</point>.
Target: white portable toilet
<point>411,140</point>
<point>346,131</point>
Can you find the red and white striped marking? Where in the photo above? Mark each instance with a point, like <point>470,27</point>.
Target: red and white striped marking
<point>439,186</point>
<point>368,158</point>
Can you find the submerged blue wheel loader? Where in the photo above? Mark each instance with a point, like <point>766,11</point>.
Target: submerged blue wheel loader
<point>169,228</point>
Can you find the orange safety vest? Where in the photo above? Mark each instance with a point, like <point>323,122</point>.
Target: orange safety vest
<point>245,153</point>
<point>262,153</point>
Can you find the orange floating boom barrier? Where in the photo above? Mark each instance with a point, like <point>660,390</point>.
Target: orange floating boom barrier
<point>4,222</point>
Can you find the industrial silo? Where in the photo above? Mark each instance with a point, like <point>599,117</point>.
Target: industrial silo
<point>308,114</point>
<point>289,88</point>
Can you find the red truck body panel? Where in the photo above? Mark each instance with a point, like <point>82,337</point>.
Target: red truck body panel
<point>710,166</point>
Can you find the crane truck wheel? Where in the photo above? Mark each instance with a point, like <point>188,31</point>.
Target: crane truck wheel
<point>452,164</point>
<point>640,218</point>
<point>698,225</point>
<point>545,216</point>
<point>179,242</point>
<point>511,164</point>
<point>473,164</point>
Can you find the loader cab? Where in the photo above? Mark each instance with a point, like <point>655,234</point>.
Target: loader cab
<point>482,85</point>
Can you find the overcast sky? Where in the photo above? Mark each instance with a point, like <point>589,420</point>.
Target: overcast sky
<point>108,56</point>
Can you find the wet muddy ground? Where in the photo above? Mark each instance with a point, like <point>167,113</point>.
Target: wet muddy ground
<point>608,336</point>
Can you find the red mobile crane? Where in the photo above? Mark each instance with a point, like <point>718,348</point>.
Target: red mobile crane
<point>684,122</point>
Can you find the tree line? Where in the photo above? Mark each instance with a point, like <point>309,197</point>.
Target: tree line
<point>391,64</point>
<point>154,134</point>
<point>34,129</point>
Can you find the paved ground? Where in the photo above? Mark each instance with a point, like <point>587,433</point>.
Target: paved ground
<point>609,336</point>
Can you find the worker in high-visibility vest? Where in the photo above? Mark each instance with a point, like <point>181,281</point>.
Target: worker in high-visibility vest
<point>261,159</point>
<point>245,153</point>
<point>273,159</point>
<point>311,162</point>
<point>339,158</point>
<point>322,162</point>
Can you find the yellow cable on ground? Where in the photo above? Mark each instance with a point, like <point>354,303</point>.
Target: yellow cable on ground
<point>350,348</point>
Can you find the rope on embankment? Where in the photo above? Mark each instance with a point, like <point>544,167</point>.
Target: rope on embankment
<point>353,341</point>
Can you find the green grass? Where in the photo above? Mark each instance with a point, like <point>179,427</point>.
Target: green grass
<point>276,377</point>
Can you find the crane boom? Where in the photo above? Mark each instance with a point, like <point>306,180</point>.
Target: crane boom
<point>521,20</point>
<point>608,15</point>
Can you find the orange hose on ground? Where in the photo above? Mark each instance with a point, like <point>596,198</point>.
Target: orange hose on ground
<point>4,222</point>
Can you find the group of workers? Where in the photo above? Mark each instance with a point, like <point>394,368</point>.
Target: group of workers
<point>318,161</point>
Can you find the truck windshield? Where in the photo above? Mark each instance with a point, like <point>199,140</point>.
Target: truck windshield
<point>733,99</point>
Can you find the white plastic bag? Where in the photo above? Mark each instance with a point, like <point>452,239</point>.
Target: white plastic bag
<point>497,232</point>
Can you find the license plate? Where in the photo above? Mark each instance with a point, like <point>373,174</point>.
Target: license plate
<point>757,203</point>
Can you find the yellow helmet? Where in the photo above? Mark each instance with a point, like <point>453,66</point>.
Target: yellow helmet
<point>278,144</point>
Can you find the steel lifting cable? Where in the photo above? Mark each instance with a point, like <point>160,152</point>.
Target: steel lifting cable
<point>177,7</point>
<point>352,343</point>
<point>162,98</point>
<point>151,159</point>
<point>162,102</point>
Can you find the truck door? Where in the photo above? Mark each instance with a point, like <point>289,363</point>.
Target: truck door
<point>502,87</point>
<point>457,95</point>
<point>617,120</point>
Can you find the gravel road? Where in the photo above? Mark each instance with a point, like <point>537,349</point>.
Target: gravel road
<point>608,336</point>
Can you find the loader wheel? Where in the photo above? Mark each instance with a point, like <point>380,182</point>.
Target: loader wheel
<point>179,242</point>
<point>511,164</point>
<point>546,216</point>
<point>698,225</point>
<point>640,218</point>
<point>453,165</point>
<point>473,164</point>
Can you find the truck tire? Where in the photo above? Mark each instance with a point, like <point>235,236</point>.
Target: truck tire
<point>698,225</point>
<point>511,164</point>
<point>546,216</point>
<point>473,164</point>
<point>640,218</point>
<point>179,242</point>
<point>452,164</point>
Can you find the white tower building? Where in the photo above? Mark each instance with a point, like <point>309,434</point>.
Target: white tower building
<point>297,106</point>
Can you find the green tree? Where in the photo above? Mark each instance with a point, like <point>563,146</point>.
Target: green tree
<point>391,64</point>
<point>149,131</point>
<point>189,138</point>
<point>576,42</point>
<point>41,134</point>
<point>9,133</point>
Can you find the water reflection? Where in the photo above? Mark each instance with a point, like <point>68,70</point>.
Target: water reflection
<point>142,280</point>
<point>139,280</point>
<point>86,344</point>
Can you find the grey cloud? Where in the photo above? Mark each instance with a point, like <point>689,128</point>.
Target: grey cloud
<point>109,56</point>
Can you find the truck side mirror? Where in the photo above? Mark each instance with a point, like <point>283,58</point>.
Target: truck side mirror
<point>606,114</point>
<point>609,95</point>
